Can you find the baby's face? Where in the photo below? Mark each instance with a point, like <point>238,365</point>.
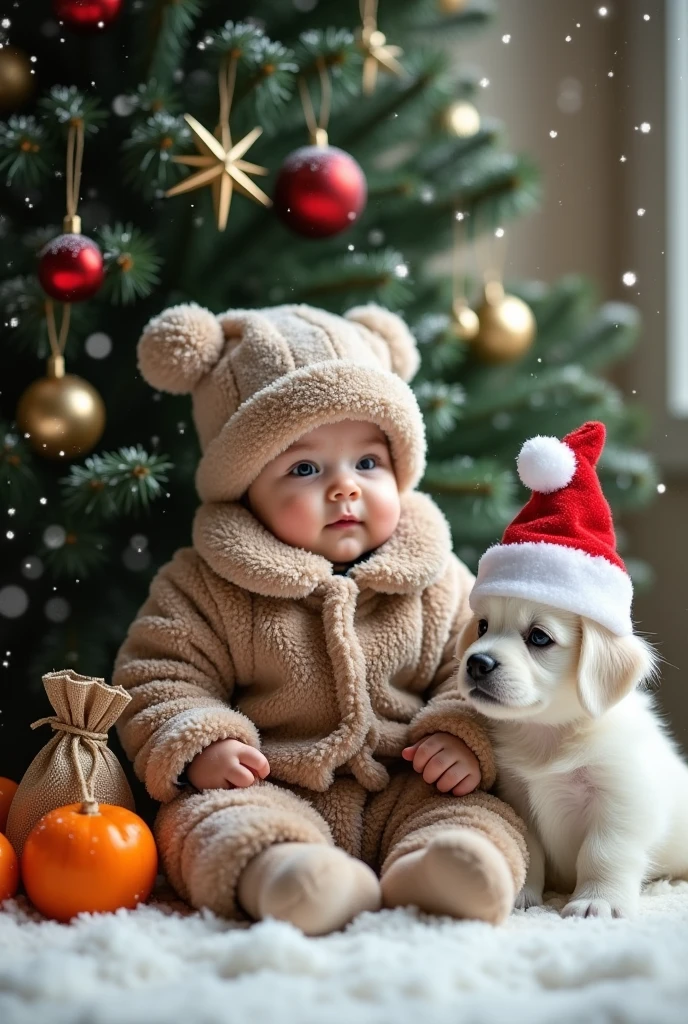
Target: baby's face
<point>333,492</point>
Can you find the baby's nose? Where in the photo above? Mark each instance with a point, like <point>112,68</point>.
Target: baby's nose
<point>343,489</point>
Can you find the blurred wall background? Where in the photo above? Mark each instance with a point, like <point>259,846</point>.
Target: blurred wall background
<point>594,79</point>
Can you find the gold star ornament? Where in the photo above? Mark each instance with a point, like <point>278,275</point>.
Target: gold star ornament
<point>222,167</point>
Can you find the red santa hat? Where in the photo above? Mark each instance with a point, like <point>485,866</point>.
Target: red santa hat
<point>560,549</point>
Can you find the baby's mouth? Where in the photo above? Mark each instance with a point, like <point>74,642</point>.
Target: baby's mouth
<point>345,521</point>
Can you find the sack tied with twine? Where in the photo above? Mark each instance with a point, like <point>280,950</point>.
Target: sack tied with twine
<point>76,765</point>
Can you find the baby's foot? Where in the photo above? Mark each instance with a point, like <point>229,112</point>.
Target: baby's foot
<point>459,873</point>
<point>316,888</point>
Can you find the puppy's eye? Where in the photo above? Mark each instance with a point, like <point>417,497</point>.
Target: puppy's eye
<point>482,627</point>
<point>538,638</point>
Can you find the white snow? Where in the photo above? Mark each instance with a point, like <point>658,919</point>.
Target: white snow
<point>162,963</point>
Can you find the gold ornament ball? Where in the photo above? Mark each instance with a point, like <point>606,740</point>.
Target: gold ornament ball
<point>452,6</point>
<point>63,415</point>
<point>465,323</point>
<point>507,326</point>
<point>461,119</point>
<point>16,80</point>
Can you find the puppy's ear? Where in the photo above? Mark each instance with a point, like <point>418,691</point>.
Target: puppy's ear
<point>610,666</point>
<point>467,636</point>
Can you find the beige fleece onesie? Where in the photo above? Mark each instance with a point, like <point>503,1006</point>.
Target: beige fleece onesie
<point>245,637</point>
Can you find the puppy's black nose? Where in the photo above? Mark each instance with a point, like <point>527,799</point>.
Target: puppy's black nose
<point>480,665</point>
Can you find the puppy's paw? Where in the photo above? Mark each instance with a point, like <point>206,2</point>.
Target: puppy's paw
<point>528,898</point>
<point>592,907</point>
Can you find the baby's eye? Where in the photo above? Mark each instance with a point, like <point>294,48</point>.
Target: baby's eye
<point>367,462</point>
<point>303,469</point>
<point>482,627</point>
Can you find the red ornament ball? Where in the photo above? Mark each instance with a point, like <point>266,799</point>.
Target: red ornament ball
<point>86,14</point>
<point>320,191</point>
<point>70,268</point>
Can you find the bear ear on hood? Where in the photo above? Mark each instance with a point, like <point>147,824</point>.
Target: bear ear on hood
<point>394,332</point>
<point>179,347</point>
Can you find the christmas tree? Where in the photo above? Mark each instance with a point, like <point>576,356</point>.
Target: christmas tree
<point>111,105</point>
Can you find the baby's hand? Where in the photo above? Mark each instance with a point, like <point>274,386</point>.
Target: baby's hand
<point>225,764</point>
<point>447,761</point>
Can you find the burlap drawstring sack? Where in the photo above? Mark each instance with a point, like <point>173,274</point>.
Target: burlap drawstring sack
<point>76,765</point>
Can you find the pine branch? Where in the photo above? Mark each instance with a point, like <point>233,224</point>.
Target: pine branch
<point>442,353</point>
<point>270,83</point>
<point>607,338</point>
<point>113,484</point>
<point>65,105</point>
<point>503,390</point>
<point>514,408</point>
<point>241,39</point>
<point>153,97</point>
<point>434,161</point>
<point>166,37</point>
<point>465,476</point>
<point>266,70</point>
<point>398,110</point>
<point>148,153</point>
<point>441,405</point>
<point>26,155</point>
<point>83,552</point>
<point>359,277</point>
<point>492,188</point>
<point>336,50</point>
<point>477,497</point>
<point>131,262</point>
<point>561,309</point>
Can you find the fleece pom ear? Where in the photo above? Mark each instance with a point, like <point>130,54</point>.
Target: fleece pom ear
<point>392,329</point>
<point>546,464</point>
<point>179,347</point>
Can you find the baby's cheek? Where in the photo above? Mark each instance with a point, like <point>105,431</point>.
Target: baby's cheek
<point>385,514</point>
<point>296,521</point>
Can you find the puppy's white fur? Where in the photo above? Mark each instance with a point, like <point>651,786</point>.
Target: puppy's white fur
<point>581,754</point>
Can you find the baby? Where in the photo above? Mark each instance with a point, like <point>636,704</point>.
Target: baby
<point>293,705</point>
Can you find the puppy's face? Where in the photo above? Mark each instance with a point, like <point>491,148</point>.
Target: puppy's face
<point>522,660</point>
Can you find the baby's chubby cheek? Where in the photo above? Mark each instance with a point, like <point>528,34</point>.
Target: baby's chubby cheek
<point>383,518</point>
<point>295,521</point>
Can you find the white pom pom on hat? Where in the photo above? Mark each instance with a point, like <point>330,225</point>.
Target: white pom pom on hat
<point>179,347</point>
<point>546,464</point>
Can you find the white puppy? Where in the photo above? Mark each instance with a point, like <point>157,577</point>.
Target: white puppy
<point>581,753</point>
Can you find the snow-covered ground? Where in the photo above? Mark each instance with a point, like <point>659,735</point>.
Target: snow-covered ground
<point>161,964</point>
